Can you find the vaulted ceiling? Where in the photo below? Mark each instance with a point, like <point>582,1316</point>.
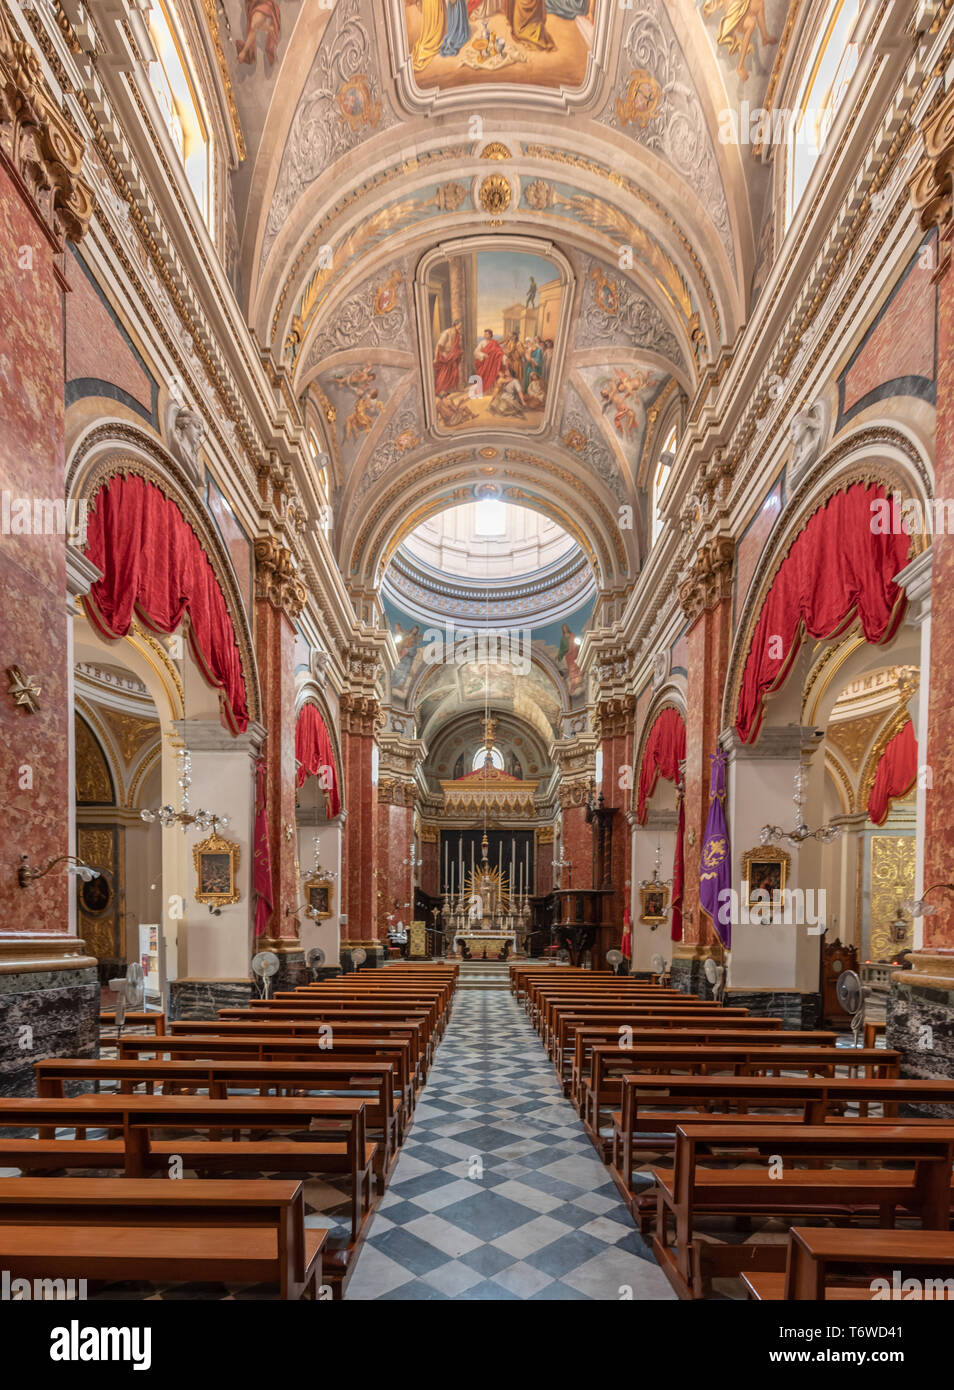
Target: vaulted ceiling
<point>410,163</point>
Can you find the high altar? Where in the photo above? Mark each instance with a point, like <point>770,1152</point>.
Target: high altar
<point>487,914</point>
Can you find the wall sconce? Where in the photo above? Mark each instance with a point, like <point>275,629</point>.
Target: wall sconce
<point>920,907</point>
<point>82,870</point>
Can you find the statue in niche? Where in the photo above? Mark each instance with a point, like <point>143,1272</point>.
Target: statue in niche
<point>186,429</point>
<point>807,433</point>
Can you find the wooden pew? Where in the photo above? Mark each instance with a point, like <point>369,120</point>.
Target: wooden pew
<point>135,1018</point>
<point>555,1009</point>
<point>824,1264</point>
<point>778,1187</point>
<point>104,1228</point>
<point>138,1153</point>
<point>343,1012</point>
<point>655,1105</point>
<point>585,1073</point>
<point>374,1079</point>
<point>324,1032</point>
<point>565,1022</point>
<point>186,1047</point>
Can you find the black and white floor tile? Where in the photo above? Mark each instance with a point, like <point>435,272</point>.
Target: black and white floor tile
<point>498,1194</point>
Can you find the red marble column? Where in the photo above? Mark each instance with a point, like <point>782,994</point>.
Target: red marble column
<point>709,640</point>
<point>931,195</point>
<point>360,717</point>
<point>543,863</point>
<point>577,843</point>
<point>275,653</point>
<point>37,210</point>
<point>430,866</point>
<point>615,720</point>
<point>395,828</point>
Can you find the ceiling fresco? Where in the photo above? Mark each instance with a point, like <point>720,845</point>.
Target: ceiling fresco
<point>484,237</point>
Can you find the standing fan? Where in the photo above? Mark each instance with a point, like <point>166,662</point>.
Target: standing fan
<point>129,991</point>
<point>715,974</point>
<point>358,957</point>
<point>851,997</point>
<point>265,964</point>
<point>315,959</point>
<point>615,959</point>
<point>658,966</point>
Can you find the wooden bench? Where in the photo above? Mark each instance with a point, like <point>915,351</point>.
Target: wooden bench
<point>330,1013</point>
<point>778,1187</point>
<point>567,1024</point>
<point>374,1079</point>
<point>584,1072</point>
<point>103,1228</point>
<point>272,1048</point>
<point>655,1105</point>
<point>555,1010</point>
<point>136,1018</point>
<point>324,1032</point>
<point>824,1264</point>
<point>136,1151</point>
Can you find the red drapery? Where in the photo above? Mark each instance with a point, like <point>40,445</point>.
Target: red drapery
<point>896,773</point>
<point>837,568</point>
<point>315,755</point>
<point>262,857</point>
<point>153,566</point>
<point>664,751</point>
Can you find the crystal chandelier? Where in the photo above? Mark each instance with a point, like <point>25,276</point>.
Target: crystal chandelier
<point>775,835</point>
<point>185,817</point>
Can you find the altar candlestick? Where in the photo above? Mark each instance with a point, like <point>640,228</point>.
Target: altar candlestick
<point>446,848</point>
<point>471,859</point>
<point>527,875</point>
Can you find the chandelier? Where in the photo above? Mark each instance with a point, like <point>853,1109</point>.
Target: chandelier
<point>775,835</point>
<point>185,817</point>
<point>920,907</point>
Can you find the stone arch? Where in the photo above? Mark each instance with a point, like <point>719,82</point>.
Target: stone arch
<point>902,466</point>
<point>112,449</point>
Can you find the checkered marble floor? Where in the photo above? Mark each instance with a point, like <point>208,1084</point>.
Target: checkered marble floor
<point>498,1193</point>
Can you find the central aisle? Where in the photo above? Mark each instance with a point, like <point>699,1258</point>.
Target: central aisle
<point>498,1193</point>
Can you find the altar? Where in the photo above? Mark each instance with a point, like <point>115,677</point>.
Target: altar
<point>486,945</point>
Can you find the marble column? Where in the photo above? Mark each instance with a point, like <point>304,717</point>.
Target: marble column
<point>361,719</point>
<point>279,599</point>
<point>931,196</point>
<point>576,760</point>
<point>915,579</point>
<point>430,866</point>
<point>705,595</point>
<point>49,994</point>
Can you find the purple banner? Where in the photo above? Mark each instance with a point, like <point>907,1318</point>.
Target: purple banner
<point>715,869</point>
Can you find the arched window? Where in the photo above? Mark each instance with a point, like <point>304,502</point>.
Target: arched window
<point>496,758</point>
<point>827,74</point>
<point>320,461</point>
<point>175,92</point>
<point>661,477</point>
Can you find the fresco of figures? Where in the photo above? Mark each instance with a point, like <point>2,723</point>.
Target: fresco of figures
<point>543,43</point>
<point>494,321</point>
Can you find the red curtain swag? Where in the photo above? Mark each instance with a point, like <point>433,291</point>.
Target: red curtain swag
<point>837,569</point>
<point>315,755</point>
<point>154,567</point>
<point>896,773</point>
<point>664,751</point>
<point>262,855</point>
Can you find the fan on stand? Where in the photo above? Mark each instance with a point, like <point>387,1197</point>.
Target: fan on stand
<point>715,974</point>
<point>615,959</point>
<point>851,997</point>
<point>358,957</point>
<point>658,966</point>
<point>315,959</point>
<point>265,964</point>
<point>129,992</point>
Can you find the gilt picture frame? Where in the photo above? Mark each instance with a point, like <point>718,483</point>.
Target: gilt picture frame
<point>654,903</point>
<point>216,863</point>
<point>319,896</point>
<point>765,869</point>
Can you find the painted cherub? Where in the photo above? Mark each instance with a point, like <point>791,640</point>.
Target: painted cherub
<point>739,23</point>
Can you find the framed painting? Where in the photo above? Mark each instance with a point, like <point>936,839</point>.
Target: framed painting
<point>654,903</point>
<point>319,895</point>
<point>216,863</point>
<point>765,870</point>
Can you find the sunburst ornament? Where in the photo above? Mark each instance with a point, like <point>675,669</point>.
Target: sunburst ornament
<point>23,689</point>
